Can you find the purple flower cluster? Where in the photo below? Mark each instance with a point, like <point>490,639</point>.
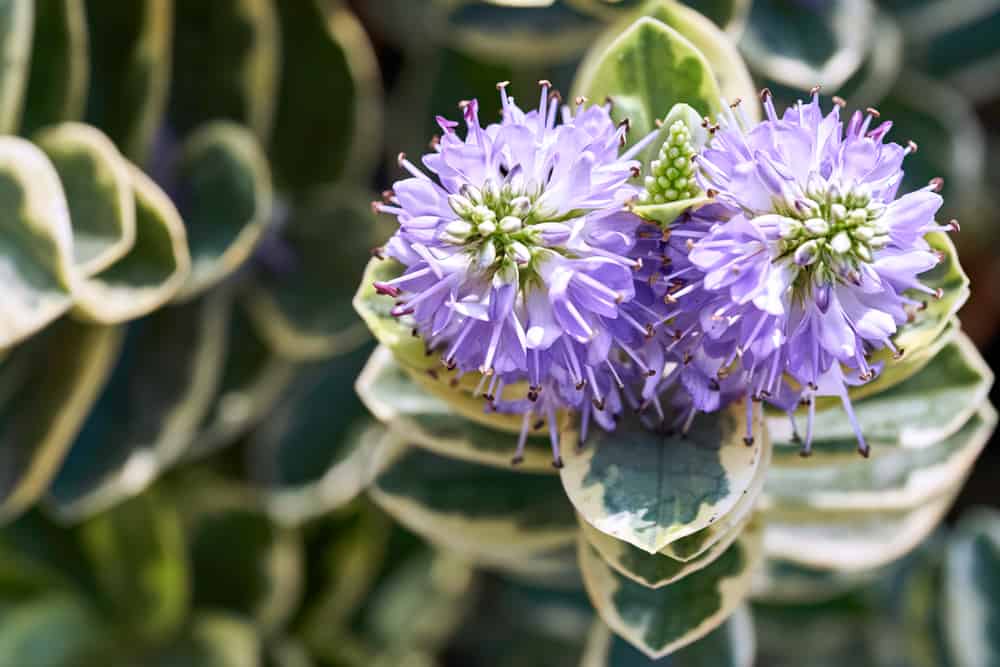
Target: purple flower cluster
<point>525,263</point>
<point>805,263</point>
<point>517,256</point>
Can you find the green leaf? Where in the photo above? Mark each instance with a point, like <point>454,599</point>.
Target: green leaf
<point>723,529</point>
<point>483,513</point>
<point>40,416</point>
<point>129,70</point>
<point>263,583</point>
<point>253,379</point>
<point>655,570</point>
<point>36,241</point>
<point>895,478</point>
<point>650,489</point>
<point>225,199</point>
<point>150,411</point>
<point>328,125</point>
<point>307,458</point>
<point>849,540</point>
<point>57,85</point>
<point>98,187</point>
<point>970,590</point>
<point>17,18</point>
<point>234,46</point>
<point>800,46</point>
<point>213,639</point>
<point>732,644</point>
<point>658,622</point>
<point>645,71</point>
<point>302,306</point>
<point>727,65</point>
<point>56,630</point>
<point>421,603</point>
<point>137,553</point>
<point>920,411</point>
<point>425,420</point>
<point>152,272</point>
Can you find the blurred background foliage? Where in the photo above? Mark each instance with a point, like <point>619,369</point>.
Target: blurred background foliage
<point>182,453</point>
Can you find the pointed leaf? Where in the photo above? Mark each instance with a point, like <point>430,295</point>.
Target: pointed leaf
<point>645,71</point>
<point>152,271</point>
<point>658,622</point>
<point>234,46</point>
<point>655,570</point>
<point>129,71</point>
<point>301,299</point>
<point>57,85</point>
<point>137,553</point>
<point>36,244</point>
<point>41,415</point>
<point>98,186</point>
<point>224,195</point>
<point>732,644</point>
<point>392,396</point>
<point>480,512</point>
<point>150,410</point>
<point>326,126</point>
<point>650,489</point>
<point>17,19</point>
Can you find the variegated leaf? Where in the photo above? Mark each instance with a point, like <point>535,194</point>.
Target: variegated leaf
<point>659,622</point>
<point>894,478</point>
<point>651,489</point>
<point>98,187</point>
<point>57,83</point>
<point>483,513</point>
<point>224,194</point>
<point>732,644</point>
<point>390,393</point>
<point>41,414</point>
<point>656,570</point>
<point>647,69</point>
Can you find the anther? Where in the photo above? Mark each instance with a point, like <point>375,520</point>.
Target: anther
<point>711,193</point>
<point>599,403</point>
<point>736,103</point>
<point>557,463</point>
<point>955,227</point>
<point>376,207</point>
<point>517,460</point>
<point>936,184</point>
<point>387,196</point>
<point>463,104</point>
<point>544,83</point>
<point>432,373</point>
<point>748,441</point>
<point>815,90</point>
<point>765,94</point>
<point>538,424</point>
<point>580,100</point>
<point>636,172</point>
<point>873,112</point>
<point>401,158</point>
<point>938,293</point>
<point>912,146</point>
<point>502,84</point>
<point>376,252</point>
<point>839,101</point>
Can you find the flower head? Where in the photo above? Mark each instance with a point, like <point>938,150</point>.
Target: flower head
<point>808,261</point>
<point>517,252</point>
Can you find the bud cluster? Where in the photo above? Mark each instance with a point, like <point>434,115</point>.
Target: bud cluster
<point>830,231</point>
<point>502,224</point>
<point>672,174</point>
